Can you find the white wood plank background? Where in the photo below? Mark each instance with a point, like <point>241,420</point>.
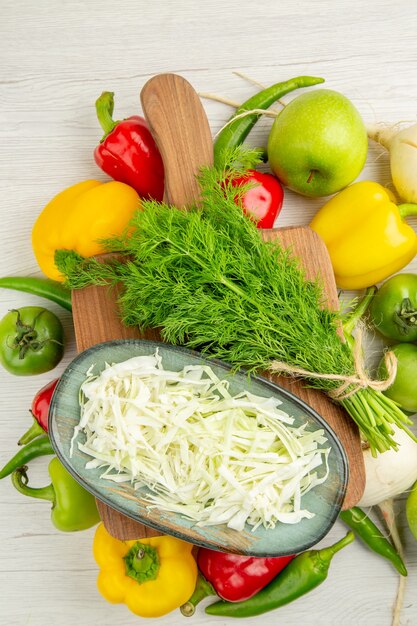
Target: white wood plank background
<point>56,58</point>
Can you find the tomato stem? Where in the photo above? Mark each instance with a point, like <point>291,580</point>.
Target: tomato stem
<point>27,337</point>
<point>406,316</point>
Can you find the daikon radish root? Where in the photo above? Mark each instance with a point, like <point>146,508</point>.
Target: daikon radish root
<point>392,473</point>
<point>402,146</point>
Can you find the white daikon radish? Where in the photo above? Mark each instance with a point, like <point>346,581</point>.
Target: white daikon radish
<point>402,146</point>
<point>391,473</point>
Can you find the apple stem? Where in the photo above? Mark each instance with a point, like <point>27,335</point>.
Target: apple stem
<point>310,178</point>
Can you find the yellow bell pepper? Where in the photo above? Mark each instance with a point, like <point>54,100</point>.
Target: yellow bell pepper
<point>365,234</point>
<point>78,217</point>
<point>153,576</point>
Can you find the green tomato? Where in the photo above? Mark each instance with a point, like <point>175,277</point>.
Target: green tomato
<point>411,510</point>
<point>393,310</point>
<point>31,341</point>
<point>404,388</point>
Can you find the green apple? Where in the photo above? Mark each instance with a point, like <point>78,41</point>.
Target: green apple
<point>318,143</point>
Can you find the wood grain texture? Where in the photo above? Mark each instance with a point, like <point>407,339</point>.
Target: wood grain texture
<point>179,125</point>
<point>182,133</point>
<point>181,130</point>
<point>96,319</point>
<point>56,58</point>
<point>310,249</point>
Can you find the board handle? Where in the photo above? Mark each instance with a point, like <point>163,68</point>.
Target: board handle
<point>182,133</point>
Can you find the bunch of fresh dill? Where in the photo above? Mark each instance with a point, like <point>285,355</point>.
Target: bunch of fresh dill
<point>209,281</point>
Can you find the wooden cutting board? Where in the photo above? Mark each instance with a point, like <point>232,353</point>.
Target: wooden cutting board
<point>180,128</point>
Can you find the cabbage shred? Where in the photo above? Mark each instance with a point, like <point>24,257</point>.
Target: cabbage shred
<point>200,452</point>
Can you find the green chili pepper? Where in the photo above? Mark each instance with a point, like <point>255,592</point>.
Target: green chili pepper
<point>370,534</point>
<point>34,431</point>
<point>301,575</point>
<point>38,447</point>
<point>235,133</point>
<point>43,287</point>
<point>73,508</point>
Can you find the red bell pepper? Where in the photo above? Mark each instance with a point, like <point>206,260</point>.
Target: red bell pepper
<point>233,577</point>
<point>237,577</point>
<point>128,152</point>
<point>264,200</point>
<point>39,410</point>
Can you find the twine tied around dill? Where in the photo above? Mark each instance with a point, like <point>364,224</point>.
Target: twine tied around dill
<point>350,384</point>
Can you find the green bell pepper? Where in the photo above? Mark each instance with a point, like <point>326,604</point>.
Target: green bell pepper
<point>73,508</point>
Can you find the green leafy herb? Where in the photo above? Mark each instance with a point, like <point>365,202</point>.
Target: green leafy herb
<point>209,281</point>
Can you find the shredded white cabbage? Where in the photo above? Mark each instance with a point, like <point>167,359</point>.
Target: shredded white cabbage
<point>201,452</point>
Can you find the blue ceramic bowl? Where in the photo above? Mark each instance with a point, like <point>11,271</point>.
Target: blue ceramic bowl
<point>324,500</point>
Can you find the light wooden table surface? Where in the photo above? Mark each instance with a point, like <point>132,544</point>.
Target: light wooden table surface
<point>56,58</point>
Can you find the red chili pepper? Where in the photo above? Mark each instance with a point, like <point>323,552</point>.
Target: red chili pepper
<point>128,152</point>
<point>40,410</point>
<point>264,200</point>
<point>236,577</point>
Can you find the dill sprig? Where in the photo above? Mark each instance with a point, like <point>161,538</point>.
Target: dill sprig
<point>210,282</point>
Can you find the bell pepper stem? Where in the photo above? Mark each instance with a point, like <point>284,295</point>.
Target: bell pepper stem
<point>142,562</point>
<point>202,590</point>
<point>104,109</point>
<point>326,554</point>
<point>34,431</point>
<point>20,482</point>
<point>353,318</point>
<point>407,209</point>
